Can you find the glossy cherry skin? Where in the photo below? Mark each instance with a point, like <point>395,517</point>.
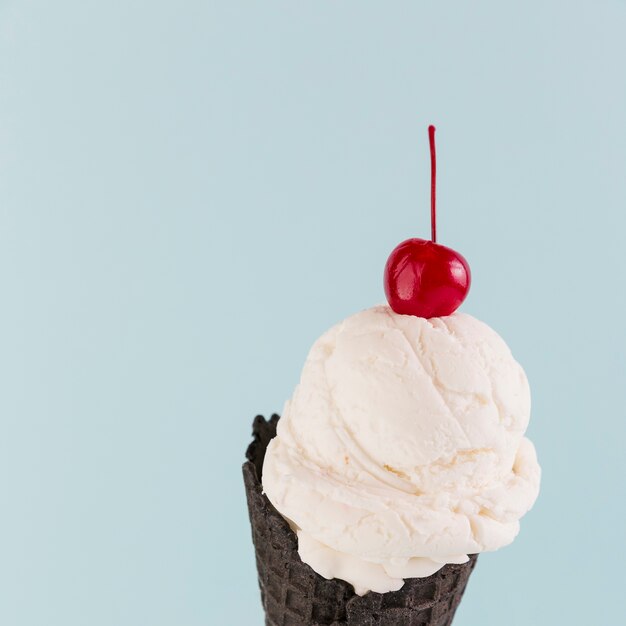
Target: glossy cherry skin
<point>426,279</point>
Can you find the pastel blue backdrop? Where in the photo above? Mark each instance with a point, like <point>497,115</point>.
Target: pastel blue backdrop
<point>191,192</point>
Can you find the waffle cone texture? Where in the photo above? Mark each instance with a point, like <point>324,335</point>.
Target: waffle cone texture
<point>293,594</point>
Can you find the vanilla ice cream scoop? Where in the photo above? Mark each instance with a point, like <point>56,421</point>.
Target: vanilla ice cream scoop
<point>402,448</point>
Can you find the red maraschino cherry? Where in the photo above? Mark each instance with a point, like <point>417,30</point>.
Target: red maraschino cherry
<point>422,277</point>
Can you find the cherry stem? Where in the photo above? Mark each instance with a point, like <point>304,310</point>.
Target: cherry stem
<point>433,184</point>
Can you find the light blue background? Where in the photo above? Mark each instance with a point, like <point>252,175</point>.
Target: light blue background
<point>191,192</point>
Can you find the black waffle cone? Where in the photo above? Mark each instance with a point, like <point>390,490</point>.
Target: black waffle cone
<point>294,595</point>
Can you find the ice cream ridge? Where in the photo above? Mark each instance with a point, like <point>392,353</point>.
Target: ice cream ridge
<point>402,448</point>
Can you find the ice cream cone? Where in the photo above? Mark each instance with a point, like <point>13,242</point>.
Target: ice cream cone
<point>293,594</point>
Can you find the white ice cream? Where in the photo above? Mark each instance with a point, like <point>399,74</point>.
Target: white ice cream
<point>402,448</point>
